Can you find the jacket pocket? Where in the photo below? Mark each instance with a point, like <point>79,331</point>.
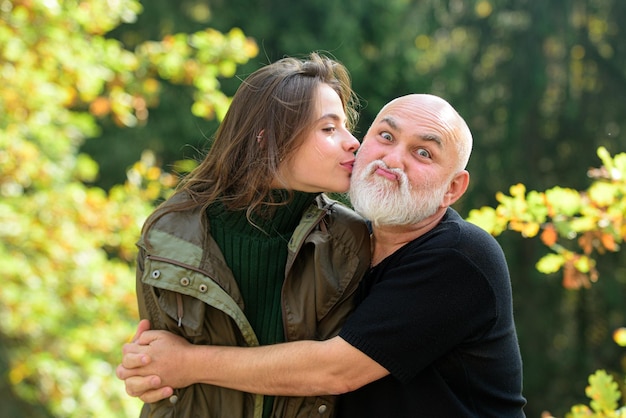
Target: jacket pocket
<point>173,288</point>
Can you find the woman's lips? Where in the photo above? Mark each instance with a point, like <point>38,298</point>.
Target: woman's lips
<point>349,165</point>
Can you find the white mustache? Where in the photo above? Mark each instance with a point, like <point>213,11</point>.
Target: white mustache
<point>376,164</point>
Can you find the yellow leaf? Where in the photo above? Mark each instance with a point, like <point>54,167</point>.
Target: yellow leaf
<point>563,201</point>
<point>484,217</point>
<point>603,194</point>
<point>518,190</point>
<point>530,229</point>
<point>619,336</point>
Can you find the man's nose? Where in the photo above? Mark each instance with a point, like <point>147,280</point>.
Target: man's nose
<point>394,157</point>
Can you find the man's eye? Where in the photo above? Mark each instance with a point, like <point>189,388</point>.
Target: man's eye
<point>423,153</point>
<point>387,136</point>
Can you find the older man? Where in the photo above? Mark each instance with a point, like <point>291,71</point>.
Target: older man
<point>433,334</point>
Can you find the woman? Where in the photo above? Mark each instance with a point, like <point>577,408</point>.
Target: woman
<point>248,251</point>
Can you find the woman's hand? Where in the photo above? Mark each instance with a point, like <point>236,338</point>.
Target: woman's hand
<point>153,364</point>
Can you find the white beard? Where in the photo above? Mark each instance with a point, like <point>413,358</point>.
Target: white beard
<point>384,202</point>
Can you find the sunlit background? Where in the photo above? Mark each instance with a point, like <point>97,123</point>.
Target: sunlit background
<point>103,103</point>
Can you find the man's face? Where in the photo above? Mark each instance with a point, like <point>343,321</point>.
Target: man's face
<point>404,167</point>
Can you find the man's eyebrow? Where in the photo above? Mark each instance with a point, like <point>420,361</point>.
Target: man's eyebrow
<point>425,137</point>
<point>390,121</point>
<point>432,137</point>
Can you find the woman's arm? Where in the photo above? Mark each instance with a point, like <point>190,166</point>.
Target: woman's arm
<point>159,361</point>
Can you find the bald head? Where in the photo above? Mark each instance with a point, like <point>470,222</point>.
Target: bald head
<point>441,112</point>
<point>411,165</point>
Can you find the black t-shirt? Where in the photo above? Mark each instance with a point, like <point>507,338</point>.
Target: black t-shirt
<point>438,315</point>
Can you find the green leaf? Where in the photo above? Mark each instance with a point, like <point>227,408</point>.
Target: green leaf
<point>86,168</point>
<point>603,392</point>
<point>550,263</point>
<point>486,218</point>
<point>603,194</point>
<point>564,201</point>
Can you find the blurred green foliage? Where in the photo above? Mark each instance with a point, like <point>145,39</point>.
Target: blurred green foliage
<point>574,225</point>
<point>604,394</point>
<point>67,247</point>
<point>541,84</point>
<point>102,101</point>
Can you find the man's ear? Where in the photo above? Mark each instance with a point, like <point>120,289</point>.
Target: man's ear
<point>456,188</point>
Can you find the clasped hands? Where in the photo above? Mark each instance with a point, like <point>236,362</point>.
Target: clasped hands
<point>151,364</point>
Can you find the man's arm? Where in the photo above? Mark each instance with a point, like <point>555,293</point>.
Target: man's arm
<point>301,368</point>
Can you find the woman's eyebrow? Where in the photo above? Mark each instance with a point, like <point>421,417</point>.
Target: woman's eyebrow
<point>332,116</point>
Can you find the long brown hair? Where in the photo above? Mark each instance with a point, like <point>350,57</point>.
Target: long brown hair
<point>268,119</point>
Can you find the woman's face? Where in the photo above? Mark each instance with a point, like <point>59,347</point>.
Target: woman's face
<point>323,163</point>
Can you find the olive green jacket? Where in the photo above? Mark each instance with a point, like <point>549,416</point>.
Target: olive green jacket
<point>184,286</point>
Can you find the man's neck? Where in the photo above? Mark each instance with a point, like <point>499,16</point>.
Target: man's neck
<point>387,239</point>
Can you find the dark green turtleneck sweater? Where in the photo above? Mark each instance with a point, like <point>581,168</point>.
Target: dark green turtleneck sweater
<point>257,259</point>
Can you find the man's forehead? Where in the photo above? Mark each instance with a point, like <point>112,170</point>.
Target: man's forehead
<point>412,127</point>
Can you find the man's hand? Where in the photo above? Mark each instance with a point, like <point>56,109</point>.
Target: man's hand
<point>151,364</point>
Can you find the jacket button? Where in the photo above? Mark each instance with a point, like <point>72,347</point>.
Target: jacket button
<point>203,288</point>
<point>322,409</point>
<point>173,399</point>
<point>184,281</point>
<point>156,274</point>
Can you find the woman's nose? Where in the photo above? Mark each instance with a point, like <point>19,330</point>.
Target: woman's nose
<point>351,143</point>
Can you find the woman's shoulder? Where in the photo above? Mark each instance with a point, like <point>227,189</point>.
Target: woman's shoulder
<point>340,211</point>
<point>179,217</point>
<point>344,224</point>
